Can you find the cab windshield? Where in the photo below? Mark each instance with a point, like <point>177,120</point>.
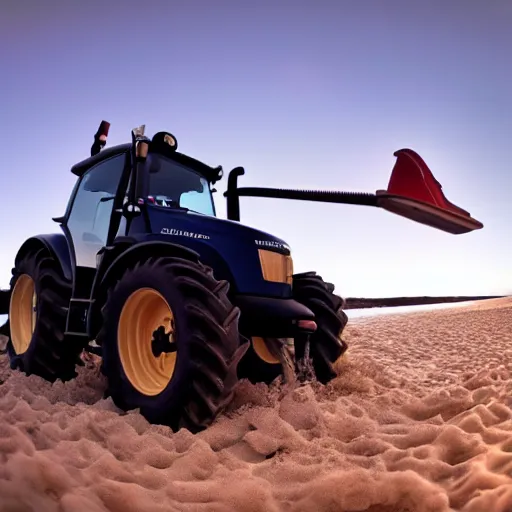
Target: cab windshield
<point>173,185</point>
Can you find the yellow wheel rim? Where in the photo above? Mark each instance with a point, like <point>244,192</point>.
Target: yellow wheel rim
<point>143,313</point>
<point>22,313</point>
<point>260,347</point>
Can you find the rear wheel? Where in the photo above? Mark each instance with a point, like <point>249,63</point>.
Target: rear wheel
<point>37,319</point>
<point>170,343</point>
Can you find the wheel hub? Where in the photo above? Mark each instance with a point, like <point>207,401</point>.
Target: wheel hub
<point>161,342</point>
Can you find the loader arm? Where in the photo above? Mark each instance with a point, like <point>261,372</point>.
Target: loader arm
<point>413,193</point>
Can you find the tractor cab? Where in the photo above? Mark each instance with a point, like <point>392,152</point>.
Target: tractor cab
<point>117,185</point>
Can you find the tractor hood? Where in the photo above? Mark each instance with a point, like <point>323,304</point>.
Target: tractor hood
<point>204,227</point>
<point>223,244</point>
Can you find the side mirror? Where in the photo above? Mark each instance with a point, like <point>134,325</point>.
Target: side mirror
<point>130,210</point>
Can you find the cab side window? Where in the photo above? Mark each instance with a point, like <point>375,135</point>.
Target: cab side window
<point>89,219</point>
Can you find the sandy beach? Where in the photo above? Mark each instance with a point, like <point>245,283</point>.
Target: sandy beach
<point>419,420</point>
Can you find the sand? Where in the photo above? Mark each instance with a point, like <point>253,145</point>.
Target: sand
<point>418,420</point>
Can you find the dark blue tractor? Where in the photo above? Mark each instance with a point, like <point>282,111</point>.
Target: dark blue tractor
<point>178,303</point>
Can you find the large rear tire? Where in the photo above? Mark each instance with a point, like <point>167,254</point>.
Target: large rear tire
<point>177,306</point>
<point>39,302</point>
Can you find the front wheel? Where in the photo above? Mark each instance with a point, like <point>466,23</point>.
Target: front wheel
<point>261,364</point>
<point>326,344</point>
<point>170,343</point>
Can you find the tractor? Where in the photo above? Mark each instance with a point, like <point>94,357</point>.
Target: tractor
<point>178,303</point>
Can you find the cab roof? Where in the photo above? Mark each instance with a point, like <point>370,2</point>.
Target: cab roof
<point>212,174</point>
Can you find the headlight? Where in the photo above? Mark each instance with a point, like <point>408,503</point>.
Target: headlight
<point>276,267</point>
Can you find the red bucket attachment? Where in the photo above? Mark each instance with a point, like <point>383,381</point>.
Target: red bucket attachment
<point>414,193</point>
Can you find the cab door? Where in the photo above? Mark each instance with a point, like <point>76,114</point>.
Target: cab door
<point>90,214</point>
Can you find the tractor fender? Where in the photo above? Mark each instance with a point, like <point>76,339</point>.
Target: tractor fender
<point>129,252</point>
<point>56,244</point>
<point>128,256</point>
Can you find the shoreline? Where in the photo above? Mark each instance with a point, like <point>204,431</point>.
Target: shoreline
<point>389,302</point>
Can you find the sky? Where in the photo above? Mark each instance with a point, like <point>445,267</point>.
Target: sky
<point>311,94</point>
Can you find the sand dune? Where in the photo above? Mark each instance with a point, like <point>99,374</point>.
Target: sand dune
<point>419,420</point>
